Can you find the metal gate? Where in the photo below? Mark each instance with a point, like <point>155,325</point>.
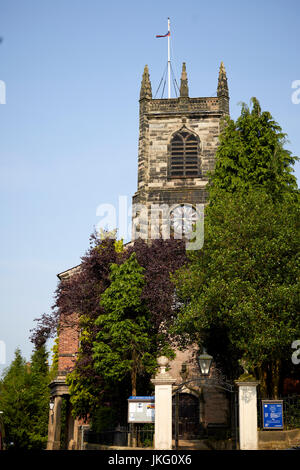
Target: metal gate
<point>185,416</point>
<point>185,411</point>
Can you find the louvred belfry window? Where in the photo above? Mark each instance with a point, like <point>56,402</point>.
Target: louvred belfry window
<point>184,160</point>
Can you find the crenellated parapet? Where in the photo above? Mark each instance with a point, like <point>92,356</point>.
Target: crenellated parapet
<point>183,105</point>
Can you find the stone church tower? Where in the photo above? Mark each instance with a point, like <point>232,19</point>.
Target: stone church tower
<point>178,139</point>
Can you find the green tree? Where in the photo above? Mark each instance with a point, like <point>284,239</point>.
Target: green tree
<point>252,154</point>
<point>39,394</point>
<point>241,293</point>
<point>89,389</point>
<point>24,400</point>
<point>124,343</point>
<point>13,398</point>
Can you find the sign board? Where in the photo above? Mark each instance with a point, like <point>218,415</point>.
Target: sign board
<point>141,409</point>
<point>272,414</point>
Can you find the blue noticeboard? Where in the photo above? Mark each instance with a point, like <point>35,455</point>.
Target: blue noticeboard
<point>272,414</point>
<point>141,409</point>
<point>142,398</point>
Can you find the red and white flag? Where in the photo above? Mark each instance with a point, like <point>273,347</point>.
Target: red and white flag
<point>164,35</point>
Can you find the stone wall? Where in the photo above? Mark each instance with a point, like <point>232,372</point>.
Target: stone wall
<point>159,120</point>
<point>276,440</point>
<point>156,130</point>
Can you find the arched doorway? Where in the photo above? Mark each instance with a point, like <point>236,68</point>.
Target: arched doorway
<point>188,415</point>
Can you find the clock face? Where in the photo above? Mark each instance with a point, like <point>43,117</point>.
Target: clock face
<point>183,218</point>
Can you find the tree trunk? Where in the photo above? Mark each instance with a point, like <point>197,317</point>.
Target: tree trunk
<point>134,373</point>
<point>263,381</point>
<point>275,378</point>
<point>133,393</point>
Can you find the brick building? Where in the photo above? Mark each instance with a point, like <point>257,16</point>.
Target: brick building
<point>178,138</point>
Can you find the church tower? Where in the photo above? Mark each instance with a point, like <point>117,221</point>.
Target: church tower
<point>178,139</point>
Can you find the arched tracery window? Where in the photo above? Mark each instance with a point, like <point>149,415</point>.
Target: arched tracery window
<point>184,158</point>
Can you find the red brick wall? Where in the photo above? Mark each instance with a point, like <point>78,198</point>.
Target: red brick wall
<point>68,342</point>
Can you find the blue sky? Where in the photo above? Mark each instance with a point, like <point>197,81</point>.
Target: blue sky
<point>69,128</point>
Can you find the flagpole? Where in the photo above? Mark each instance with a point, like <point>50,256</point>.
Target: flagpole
<point>169,62</point>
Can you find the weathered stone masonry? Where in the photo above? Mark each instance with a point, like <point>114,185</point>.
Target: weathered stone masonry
<point>159,120</point>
